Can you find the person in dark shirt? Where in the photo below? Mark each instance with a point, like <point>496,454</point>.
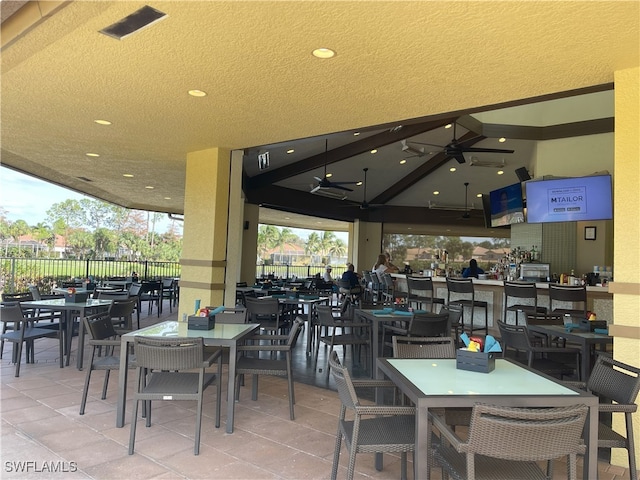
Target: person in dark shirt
<point>351,276</point>
<point>472,270</point>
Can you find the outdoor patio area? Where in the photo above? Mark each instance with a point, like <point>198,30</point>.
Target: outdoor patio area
<point>43,431</point>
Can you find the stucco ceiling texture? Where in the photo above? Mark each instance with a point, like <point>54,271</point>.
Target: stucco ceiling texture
<point>395,61</point>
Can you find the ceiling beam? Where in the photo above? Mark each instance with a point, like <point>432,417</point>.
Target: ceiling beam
<point>341,153</point>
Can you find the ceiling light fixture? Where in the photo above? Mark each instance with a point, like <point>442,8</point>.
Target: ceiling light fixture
<point>167,198</point>
<point>500,172</point>
<point>149,187</point>
<point>502,139</point>
<point>359,184</point>
<point>355,134</point>
<point>403,161</point>
<point>102,122</point>
<point>448,125</point>
<point>197,93</point>
<point>323,53</point>
<point>92,154</point>
<point>479,195</point>
<point>291,150</point>
<point>329,175</point>
<point>128,175</point>
<point>375,150</point>
<point>452,169</point>
<point>436,192</point>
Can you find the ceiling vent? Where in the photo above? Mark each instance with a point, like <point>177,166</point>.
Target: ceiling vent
<point>132,23</point>
<point>474,162</point>
<point>85,179</point>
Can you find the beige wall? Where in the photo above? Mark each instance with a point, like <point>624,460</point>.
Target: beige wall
<point>367,244</point>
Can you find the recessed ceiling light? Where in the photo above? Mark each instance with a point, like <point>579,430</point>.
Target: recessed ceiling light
<point>329,175</point>
<point>197,93</point>
<point>291,150</point>
<point>359,184</point>
<point>448,125</point>
<point>502,139</point>
<point>355,134</point>
<point>403,161</point>
<point>436,192</point>
<point>375,150</point>
<point>500,172</point>
<point>92,154</point>
<point>128,175</point>
<point>167,198</point>
<point>102,122</point>
<point>323,53</point>
<point>287,218</point>
<point>408,228</point>
<point>452,169</point>
<point>479,195</point>
<point>149,187</point>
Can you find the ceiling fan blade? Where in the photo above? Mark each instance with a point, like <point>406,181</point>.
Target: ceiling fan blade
<point>317,179</point>
<point>485,150</point>
<point>340,187</point>
<point>457,155</point>
<point>429,144</point>
<point>344,183</point>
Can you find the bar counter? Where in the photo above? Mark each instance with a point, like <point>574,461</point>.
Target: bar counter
<point>599,300</point>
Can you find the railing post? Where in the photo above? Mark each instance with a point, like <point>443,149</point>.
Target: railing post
<point>86,270</point>
<point>12,283</point>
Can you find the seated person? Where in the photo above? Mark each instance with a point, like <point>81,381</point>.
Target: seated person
<point>351,276</point>
<point>327,278</point>
<point>472,270</point>
<point>383,265</point>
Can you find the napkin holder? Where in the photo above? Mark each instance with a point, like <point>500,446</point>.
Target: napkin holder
<point>75,297</point>
<point>483,362</point>
<point>196,322</point>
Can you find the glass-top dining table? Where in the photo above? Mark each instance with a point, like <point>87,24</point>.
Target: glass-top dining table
<point>80,308</point>
<point>437,383</point>
<point>222,335</point>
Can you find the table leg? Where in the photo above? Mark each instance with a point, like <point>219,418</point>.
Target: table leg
<point>590,469</point>
<point>68,332</point>
<point>375,344</point>
<point>231,387</point>
<point>421,467</point>
<point>122,383</point>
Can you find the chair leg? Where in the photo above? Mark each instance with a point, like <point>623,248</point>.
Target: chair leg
<point>292,398</point>
<point>254,387</point>
<point>631,450</point>
<point>106,383</point>
<point>336,455</point>
<point>132,434</point>
<point>196,448</point>
<point>18,357</point>
<point>85,391</point>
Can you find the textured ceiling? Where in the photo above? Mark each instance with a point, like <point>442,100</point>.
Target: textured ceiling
<point>395,61</point>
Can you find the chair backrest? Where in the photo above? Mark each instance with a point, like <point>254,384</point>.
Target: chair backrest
<point>168,283</point>
<point>520,290</point>
<point>526,434</point>
<point>514,336</point>
<point>325,315</point>
<point>122,307</point>
<point>262,306</point>
<point>16,297</point>
<point>294,332</point>
<point>388,281</point>
<point>568,293</point>
<point>460,285</point>
<point>103,295</point>
<point>35,292</point>
<point>367,276</point>
<point>175,353</point>
<point>422,286</point>
<point>99,326</point>
<point>455,314</point>
<point>430,325</point>
<point>344,384</point>
<point>614,380</point>
<point>232,315</point>
<point>134,289</point>
<point>12,313</point>
<point>423,347</point>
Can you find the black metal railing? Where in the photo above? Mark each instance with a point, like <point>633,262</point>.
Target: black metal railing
<point>16,274</point>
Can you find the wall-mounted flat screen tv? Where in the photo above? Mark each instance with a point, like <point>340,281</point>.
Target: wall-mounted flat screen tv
<point>507,206</point>
<point>569,199</point>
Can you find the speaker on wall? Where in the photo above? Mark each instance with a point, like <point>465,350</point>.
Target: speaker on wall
<point>246,224</point>
<point>522,174</point>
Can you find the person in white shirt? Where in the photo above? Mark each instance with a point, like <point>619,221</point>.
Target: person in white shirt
<point>327,275</point>
<point>383,265</point>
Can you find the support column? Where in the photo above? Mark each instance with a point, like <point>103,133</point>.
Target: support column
<point>367,241</point>
<point>626,257</point>
<point>206,226</point>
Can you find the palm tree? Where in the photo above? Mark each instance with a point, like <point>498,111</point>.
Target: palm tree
<point>313,245</point>
<point>338,248</point>
<point>284,236</point>
<point>266,238</point>
<point>327,239</point>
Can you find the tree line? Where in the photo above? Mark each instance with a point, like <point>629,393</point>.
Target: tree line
<point>92,229</point>
<point>324,244</point>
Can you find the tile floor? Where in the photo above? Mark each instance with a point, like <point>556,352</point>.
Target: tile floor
<point>41,425</point>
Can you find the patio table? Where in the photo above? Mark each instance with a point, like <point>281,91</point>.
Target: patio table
<point>437,383</point>
<point>223,335</point>
<point>587,341</point>
<point>60,305</point>
<point>377,319</point>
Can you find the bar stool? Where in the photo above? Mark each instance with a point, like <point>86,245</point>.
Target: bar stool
<point>464,286</point>
<point>522,291</point>
<point>389,291</point>
<point>421,292</point>
<point>574,294</point>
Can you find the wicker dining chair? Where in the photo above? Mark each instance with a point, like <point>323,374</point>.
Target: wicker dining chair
<point>374,428</point>
<point>509,443</point>
<point>103,341</point>
<point>281,367</point>
<point>165,372</point>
